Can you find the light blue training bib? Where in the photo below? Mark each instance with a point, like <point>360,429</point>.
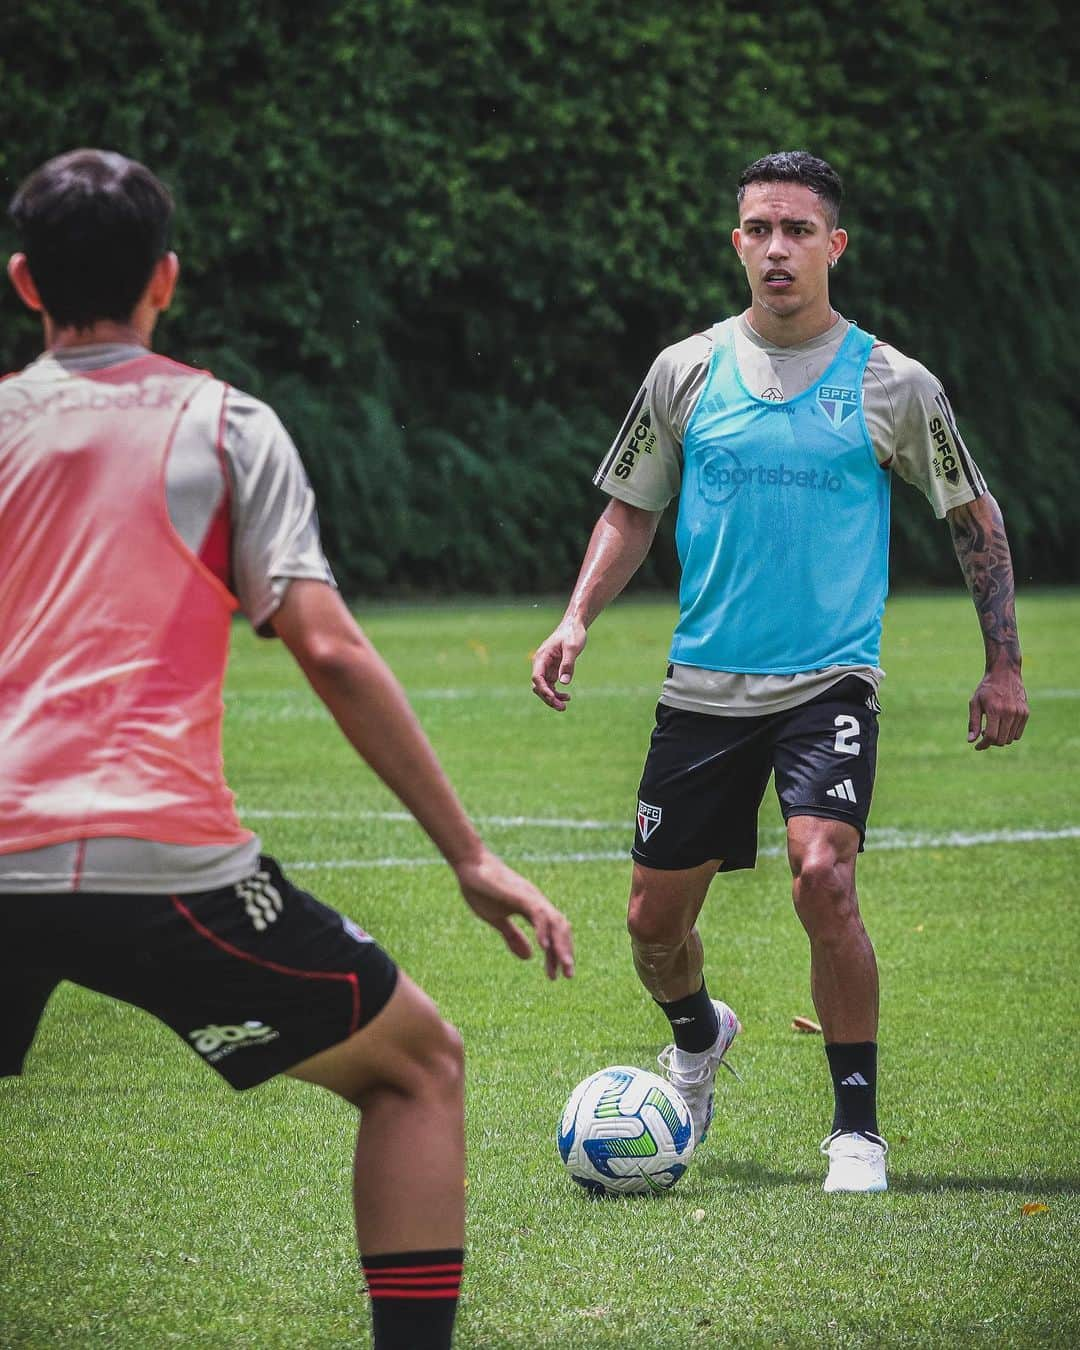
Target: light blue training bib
<point>783,526</point>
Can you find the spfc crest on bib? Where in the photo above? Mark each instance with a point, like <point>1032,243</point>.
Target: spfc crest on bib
<point>837,404</point>
<point>648,818</point>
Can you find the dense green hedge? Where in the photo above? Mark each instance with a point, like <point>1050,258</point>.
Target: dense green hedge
<point>446,240</point>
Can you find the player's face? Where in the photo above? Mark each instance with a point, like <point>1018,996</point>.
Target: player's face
<point>786,246</point>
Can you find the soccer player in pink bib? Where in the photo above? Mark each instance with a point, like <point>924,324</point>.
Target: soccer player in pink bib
<point>142,503</point>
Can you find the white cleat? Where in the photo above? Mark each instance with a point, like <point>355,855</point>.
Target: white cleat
<point>693,1076</point>
<point>856,1161</point>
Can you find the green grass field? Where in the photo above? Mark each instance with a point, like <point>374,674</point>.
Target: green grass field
<point>145,1205</point>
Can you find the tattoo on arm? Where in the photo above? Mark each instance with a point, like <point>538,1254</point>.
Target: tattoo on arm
<point>978,535</point>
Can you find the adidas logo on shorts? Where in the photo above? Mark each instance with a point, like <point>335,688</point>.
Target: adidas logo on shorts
<point>261,898</point>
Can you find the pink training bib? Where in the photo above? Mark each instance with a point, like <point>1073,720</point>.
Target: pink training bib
<point>113,635</point>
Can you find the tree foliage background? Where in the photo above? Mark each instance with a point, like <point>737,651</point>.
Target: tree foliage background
<point>446,240</point>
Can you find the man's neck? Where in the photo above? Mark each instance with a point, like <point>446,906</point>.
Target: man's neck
<point>104,331</point>
<point>790,330</point>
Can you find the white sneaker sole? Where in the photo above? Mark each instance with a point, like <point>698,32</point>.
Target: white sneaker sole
<point>875,1188</point>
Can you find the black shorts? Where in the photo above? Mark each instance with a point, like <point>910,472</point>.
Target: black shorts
<point>254,977</point>
<point>705,776</point>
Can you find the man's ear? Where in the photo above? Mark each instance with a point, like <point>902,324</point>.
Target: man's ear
<point>837,244</point>
<point>163,281</point>
<point>18,270</point>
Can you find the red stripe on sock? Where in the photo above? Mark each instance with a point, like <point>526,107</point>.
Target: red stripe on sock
<point>411,1281</point>
<point>410,1277</point>
<point>373,1272</point>
<point>442,1281</point>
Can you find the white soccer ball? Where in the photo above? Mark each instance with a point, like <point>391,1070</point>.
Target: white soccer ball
<point>625,1131</point>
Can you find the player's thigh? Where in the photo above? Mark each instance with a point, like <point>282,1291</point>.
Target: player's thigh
<point>819,847</point>
<point>260,976</point>
<point>825,756</point>
<point>254,977</point>
<point>700,790</point>
<point>407,1046</point>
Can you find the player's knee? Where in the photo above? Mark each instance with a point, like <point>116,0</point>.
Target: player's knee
<point>426,1070</point>
<point>408,1051</point>
<point>433,1065</point>
<point>823,890</point>
<point>447,1061</point>
<point>651,925</point>
<point>820,870</point>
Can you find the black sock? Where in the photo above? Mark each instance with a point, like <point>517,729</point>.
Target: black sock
<point>694,1023</point>
<point>414,1298</point>
<point>854,1075</point>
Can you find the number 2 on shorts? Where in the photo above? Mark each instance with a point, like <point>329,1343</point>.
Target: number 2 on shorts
<point>847,728</point>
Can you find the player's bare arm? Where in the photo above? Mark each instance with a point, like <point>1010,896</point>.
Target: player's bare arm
<point>998,711</point>
<point>369,705</point>
<point>620,542</point>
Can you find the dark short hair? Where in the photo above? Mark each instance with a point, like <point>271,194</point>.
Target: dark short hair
<point>92,224</point>
<point>797,166</point>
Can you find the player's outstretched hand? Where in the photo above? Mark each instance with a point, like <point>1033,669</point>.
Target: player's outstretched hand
<point>998,711</point>
<point>496,892</point>
<point>554,663</point>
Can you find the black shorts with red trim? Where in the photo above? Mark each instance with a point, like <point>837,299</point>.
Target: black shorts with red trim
<point>705,775</point>
<point>254,977</point>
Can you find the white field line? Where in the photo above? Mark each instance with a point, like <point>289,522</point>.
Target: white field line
<point>303,698</point>
<point>523,692</point>
<point>530,822</point>
<point>876,841</point>
<point>349,864</point>
<point>300,705</point>
<point>884,837</point>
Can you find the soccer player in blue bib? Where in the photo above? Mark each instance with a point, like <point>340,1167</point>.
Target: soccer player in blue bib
<point>779,430</point>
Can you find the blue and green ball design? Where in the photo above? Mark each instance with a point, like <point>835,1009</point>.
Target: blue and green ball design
<point>626,1131</point>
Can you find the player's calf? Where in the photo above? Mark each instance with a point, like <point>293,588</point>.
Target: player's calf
<point>405,1071</point>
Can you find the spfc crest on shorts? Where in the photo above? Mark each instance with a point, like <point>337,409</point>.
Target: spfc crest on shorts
<point>648,819</point>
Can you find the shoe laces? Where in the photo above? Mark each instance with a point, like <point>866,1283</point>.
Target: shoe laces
<point>696,1073</point>
<point>830,1139</point>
